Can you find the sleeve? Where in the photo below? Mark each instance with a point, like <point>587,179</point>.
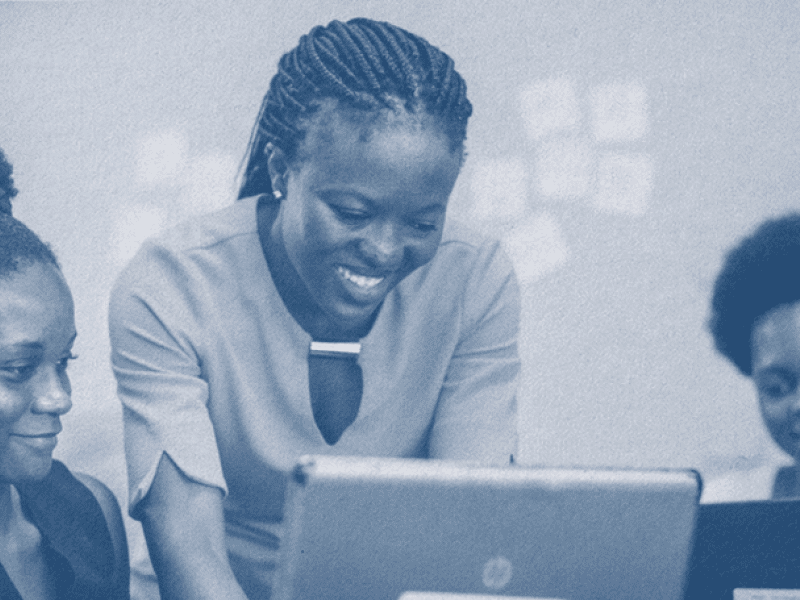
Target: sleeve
<point>476,415</point>
<point>158,373</point>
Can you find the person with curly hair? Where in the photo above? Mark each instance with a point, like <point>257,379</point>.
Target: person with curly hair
<point>61,534</point>
<point>755,322</point>
<point>7,189</point>
<point>327,311</point>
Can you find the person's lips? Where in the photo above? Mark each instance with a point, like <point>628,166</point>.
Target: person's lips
<point>40,440</point>
<point>365,282</point>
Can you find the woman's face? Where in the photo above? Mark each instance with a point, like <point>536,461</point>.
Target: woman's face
<point>776,374</point>
<point>37,329</point>
<point>363,208</point>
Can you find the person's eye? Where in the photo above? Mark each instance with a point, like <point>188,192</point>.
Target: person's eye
<point>349,214</point>
<point>18,373</point>
<point>64,362</point>
<point>425,226</point>
<point>776,387</point>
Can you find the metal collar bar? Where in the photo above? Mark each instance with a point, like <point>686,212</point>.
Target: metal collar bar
<point>335,349</point>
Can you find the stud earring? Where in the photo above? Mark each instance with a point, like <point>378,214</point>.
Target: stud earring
<point>277,194</point>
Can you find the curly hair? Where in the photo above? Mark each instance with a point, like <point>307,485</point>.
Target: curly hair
<point>762,272</point>
<point>7,189</point>
<point>362,64</point>
<point>19,246</point>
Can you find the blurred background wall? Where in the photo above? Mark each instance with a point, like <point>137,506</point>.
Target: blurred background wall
<point>619,148</point>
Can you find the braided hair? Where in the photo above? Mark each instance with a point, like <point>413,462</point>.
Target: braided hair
<point>365,65</point>
<point>19,246</point>
<point>759,274</point>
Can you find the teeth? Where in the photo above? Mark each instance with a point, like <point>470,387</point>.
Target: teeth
<point>361,281</point>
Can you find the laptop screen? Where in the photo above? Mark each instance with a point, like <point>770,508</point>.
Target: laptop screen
<point>381,528</point>
<point>746,546</point>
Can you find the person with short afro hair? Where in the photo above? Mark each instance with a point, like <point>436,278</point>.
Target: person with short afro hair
<point>755,322</point>
<point>758,275</point>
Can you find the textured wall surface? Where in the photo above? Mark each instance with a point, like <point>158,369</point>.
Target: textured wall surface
<point>619,148</point>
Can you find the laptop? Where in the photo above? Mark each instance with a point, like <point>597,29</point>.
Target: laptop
<point>386,529</point>
<point>746,551</point>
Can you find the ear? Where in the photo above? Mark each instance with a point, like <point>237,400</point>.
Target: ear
<point>278,168</point>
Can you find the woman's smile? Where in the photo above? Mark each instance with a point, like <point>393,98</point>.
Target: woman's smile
<point>37,331</point>
<point>362,281</point>
<point>361,293</point>
<point>362,209</point>
<point>44,442</point>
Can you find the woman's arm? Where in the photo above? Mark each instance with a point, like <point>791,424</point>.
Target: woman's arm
<point>184,525</point>
<point>111,511</point>
<point>174,469</point>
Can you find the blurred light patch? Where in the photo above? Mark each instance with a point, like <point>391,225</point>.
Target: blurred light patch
<point>134,225</point>
<point>549,106</point>
<point>564,168</point>
<point>499,190</point>
<point>161,158</point>
<point>536,246</point>
<point>619,112</point>
<point>624,183</point>
<point>209,184</point>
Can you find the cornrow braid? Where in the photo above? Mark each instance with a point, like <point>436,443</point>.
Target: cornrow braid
<point>366,65</point>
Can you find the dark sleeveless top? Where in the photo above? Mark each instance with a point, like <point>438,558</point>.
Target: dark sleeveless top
<point>75,538</point>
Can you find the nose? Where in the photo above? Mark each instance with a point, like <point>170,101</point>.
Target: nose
<point>383,245</point>
<point>794,403</point>
<point>53,394</point>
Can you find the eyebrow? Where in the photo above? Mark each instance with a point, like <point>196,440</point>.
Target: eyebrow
<point>35,345</point>
<point>26,345</point>
<point>434,206</point>
<point>774,369</point>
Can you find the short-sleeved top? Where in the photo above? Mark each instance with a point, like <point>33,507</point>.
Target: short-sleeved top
<point>213,370</point>
<point>75,538</point>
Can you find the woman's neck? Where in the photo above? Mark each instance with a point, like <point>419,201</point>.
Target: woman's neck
<point>9,504</point>
<point>21,550</point>
<point>13,521</point>
<point>787,482</point>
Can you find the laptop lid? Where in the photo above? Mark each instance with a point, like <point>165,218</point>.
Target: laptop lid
<point>752,548</point>
<point>365,528</point>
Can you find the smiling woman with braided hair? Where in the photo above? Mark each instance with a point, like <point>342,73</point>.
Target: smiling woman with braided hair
<point>329,310</point>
